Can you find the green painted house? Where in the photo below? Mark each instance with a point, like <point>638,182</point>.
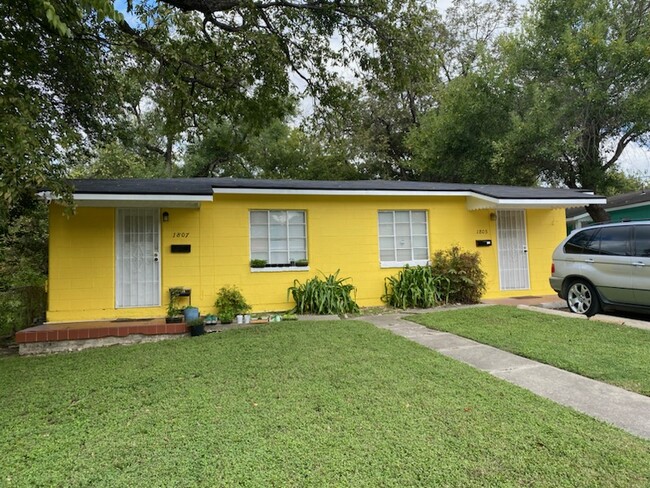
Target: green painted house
<point>627,206</point>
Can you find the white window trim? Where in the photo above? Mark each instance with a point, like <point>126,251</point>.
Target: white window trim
<point>412,262</point>
<point>401,264</point>
<point>283,269</point>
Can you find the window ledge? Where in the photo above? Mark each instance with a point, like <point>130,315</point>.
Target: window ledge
<point>279,270</point>
<point>401,264</point>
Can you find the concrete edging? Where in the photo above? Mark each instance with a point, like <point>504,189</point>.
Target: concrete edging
<point>608,319</point>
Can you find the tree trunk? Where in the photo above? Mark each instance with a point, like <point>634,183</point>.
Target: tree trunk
<point>597,213</point>
<point>169,156</point>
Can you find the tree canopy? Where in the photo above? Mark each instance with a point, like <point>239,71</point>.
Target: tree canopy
<point>396,90</point>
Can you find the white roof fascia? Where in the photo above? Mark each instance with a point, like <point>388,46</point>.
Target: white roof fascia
<point>475,201</point>
<point>291,191</point>
<point>133,200</point>
<point>482,202</point>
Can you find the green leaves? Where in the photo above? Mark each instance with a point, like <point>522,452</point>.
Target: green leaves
<point>323,297</point>
<point>230,302</point>
<point>453,277</point>
<point>416,287</point>
<point>463,271</point>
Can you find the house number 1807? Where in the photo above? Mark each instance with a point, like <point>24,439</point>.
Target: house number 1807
<point>181,234</point>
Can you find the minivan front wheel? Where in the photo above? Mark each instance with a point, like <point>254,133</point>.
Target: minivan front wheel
<point>581,298</point>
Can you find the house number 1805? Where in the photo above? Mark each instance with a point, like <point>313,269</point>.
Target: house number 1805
<point>181,234</point>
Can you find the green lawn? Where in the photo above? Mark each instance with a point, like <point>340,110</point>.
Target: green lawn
<point>615,354</point>
<point>293,404</point>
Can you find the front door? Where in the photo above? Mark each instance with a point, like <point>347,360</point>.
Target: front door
<point>512,245</point>
<point>137,253</point>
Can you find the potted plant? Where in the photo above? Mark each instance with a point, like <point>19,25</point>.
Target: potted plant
<point>258,263</point>
<point>301,262</point>
<point>226,317</point>
<point>174,313</point>
<point>197,327</point>
<point>229,303</point>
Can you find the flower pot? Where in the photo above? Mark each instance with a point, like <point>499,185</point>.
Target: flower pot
<point>197,330</point>
<point>190,313</point>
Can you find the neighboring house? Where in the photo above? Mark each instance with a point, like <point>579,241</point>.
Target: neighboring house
<point>627,206</point>
<point>130,241</point>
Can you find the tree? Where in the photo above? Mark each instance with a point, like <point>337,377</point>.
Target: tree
<point>49,108</point>
<point>276,151</point>
<point>459,140</point>
<point>188,63</point>
<point>584,69</point>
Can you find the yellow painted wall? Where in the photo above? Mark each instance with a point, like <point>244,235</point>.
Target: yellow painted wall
<point>341,234</point>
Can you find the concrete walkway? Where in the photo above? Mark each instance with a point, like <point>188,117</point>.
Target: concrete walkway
<point>622,408</point>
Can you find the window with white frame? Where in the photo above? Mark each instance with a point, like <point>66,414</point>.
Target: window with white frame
<point>403,237</point>
<point>278,236</point>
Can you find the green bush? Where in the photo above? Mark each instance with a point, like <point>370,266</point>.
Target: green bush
<point>230,302</point>
<point>416,287</point>
<point>322,297</point>
<point>23,266</point>
<point>464,272</point>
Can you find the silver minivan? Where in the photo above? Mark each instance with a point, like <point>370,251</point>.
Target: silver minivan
<point>604,267</point>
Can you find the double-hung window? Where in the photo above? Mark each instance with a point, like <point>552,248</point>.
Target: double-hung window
<point>278,236</point>
<point>403,238</point>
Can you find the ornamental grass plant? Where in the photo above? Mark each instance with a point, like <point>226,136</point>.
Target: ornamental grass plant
<point>331,295</point>
<point>416,287</point>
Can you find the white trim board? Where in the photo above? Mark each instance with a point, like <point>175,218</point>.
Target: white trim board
<point>475,201</point>
<point>133,200</point>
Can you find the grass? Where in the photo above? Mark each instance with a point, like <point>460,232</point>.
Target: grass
<point>293,404</point>
<point>614,354</point>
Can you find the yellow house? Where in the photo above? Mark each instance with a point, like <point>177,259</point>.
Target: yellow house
<point>130,241</point>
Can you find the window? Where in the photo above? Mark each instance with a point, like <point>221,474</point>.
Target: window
<point>642,241</point>
<point>278,236</point>
<point>615,241</point>
<point>403,237</point>
<point>583,243</point>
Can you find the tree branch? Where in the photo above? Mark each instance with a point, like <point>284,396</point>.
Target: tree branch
<point>620,147</point>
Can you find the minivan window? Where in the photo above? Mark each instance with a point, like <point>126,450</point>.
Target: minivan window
<point>615,241</point>
<point>581,243</point>
<point>642,241</point>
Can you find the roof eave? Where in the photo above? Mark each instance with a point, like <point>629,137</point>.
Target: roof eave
<point>132,200</point>
<point>482,202</point>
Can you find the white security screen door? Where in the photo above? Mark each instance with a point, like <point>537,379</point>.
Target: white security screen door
<point>512,245</point>
<point>137,256</point>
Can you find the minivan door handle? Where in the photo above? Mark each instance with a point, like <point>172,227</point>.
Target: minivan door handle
<point>589,260</point>
<point>638,263</point>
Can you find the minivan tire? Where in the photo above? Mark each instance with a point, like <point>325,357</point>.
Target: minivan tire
<point>581,297</point>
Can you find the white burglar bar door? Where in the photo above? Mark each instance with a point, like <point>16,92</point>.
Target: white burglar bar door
<point>137,256</point>
<point>512,245</point>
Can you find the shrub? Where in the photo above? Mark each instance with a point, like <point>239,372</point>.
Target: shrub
<point>230,302</point>
<point>463,270</point>
<point>416,287</point>
<point>322,297</point>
